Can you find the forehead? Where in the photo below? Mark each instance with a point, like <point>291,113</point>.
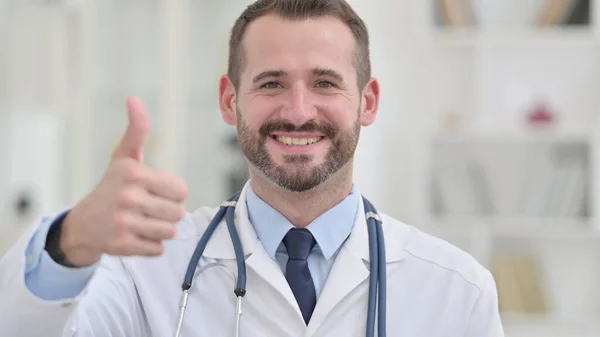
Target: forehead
<point>272,42</point>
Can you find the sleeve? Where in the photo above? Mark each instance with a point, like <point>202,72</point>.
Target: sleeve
<point>47,279</point>
<point>107,306</point>
<point>485,318</point>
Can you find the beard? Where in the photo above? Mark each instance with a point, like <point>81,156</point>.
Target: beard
<point>298,174</point>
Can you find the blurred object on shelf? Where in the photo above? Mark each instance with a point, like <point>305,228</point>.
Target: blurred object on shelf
<point>541,116</point>
<point>534,177</point>
<point>507,13</point>
<point>452,122</point>
<point>564,12</point>
<point>580,14</point>
<point>519,283</point>
<point>459,181</point>
<point>512,13</point>
<point>455,13</point>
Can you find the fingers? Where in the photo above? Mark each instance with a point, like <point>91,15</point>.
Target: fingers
<point>148,248</point>
<point>138,234</point>
<point>152,206</point>
<point>161,209</point>
<point>132,142</point>
<point>144,227</point>
<point>154,230</point>
<point>161,184</point>
<point>164,185</point>
<point>134,245</point>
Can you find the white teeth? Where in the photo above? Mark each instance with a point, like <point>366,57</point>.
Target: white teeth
<point>298,141</point>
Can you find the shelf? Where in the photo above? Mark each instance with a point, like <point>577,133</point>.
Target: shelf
<point>553,229</point>
<point>514,227</point>
<point>541,136</point>
<point>519,324</point>
<point>510,38</point>
<point>545,319</point>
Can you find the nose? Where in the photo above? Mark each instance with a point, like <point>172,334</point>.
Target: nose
<point>299,108</point>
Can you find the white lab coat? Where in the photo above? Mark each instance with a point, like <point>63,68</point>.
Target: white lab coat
<point>434,290</point>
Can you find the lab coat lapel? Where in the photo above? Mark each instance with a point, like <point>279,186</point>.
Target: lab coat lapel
<point>269,271</point>
<point>348,271</point>
<point>261,263</point>
<point>257,259</point>
<point>351,267</point>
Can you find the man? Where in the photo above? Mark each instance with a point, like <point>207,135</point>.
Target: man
<point>298,89</point>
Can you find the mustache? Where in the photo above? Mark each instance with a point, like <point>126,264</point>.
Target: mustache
<point>284,126</point>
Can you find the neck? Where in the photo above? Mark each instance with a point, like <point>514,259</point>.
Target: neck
<point>302,208</point>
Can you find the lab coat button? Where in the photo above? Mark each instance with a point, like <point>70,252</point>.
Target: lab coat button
<point>67,304</point>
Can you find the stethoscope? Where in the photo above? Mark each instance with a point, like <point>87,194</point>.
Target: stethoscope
<point>377,277</point>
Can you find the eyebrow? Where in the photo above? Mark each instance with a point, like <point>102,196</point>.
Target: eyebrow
<point>328,72</point>
<point>268,73</point>
<point>280,73</point>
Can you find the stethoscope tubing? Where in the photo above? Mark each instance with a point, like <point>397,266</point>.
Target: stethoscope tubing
<point>377,277</point>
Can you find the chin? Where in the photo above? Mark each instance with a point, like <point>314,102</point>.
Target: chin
<point>298,162</point>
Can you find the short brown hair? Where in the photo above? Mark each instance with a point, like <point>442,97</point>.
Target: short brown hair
<point>300,10</point>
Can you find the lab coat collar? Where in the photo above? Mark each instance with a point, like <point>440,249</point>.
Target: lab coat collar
<point>395,237</point>
<point>358,241</point>
<point>220,246</point>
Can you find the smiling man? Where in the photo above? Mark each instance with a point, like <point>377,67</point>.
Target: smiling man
<point>298,89</point>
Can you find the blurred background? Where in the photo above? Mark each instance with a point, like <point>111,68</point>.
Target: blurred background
<point>487,134</point>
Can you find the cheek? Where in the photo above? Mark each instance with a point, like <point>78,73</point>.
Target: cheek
<point>256,112</point>
<point>340,112</point>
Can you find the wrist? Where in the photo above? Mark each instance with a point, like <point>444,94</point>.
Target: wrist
<point>75,253</point>
<point>53,242</point>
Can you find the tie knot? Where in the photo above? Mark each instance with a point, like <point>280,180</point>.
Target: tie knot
<point>299,242</point>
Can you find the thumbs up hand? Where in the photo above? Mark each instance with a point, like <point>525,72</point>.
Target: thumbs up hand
<point>133,208</point>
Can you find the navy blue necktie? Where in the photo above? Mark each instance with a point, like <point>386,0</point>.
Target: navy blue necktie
<point>299,242</point>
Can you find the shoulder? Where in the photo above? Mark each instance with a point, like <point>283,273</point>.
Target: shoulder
<point>437,255</point>
<point>195,223</point>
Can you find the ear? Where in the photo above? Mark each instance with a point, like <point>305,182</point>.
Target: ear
<point>227,100</point>
<point>370,102</point>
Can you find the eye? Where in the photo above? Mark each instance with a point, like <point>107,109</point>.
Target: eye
<point>271,85</point>
<point>325,84</point>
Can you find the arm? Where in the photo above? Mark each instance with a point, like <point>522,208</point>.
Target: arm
<point>37,298</point>
<point>129,213</point>
<point>485,318</point>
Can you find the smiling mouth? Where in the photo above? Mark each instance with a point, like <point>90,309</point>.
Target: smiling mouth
<point>294,141</point>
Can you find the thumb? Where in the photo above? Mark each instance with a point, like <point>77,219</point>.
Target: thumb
<point>132,143</point>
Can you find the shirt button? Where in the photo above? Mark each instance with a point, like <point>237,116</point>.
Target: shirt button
<point>67,305</point>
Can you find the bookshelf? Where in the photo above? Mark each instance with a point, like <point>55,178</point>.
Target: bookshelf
<point>512,151</point>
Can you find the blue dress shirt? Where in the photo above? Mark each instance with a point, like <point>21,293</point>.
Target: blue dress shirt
<point>51,281</point>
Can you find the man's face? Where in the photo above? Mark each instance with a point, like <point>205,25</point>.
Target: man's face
<point>298,107</point>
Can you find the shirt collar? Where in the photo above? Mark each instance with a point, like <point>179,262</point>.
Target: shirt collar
<point>330,230</point>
